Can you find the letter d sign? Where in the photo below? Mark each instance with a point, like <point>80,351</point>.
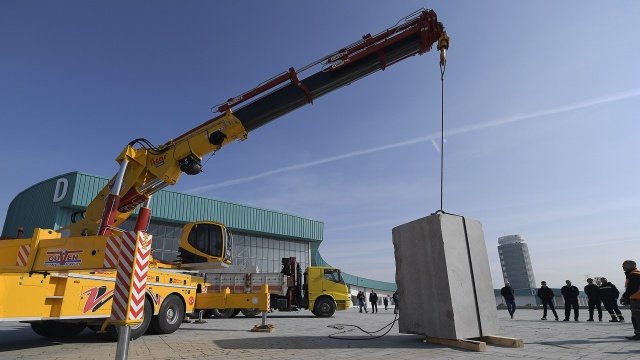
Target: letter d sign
<point>61,190</point>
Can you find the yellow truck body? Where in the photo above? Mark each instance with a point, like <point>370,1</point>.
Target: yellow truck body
<point>323,290</point>
<point>60,283</point>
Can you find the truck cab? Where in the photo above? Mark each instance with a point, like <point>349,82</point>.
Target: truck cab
<point>326,290</point>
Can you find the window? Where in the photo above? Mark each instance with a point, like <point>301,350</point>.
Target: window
<point>333,275</point>
<point>206,238</point>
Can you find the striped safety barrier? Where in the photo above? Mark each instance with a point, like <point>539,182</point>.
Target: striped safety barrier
<point>131,278</point>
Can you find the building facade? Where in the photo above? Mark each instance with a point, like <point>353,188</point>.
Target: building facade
<point>515,262</point>
<point>261,237</point>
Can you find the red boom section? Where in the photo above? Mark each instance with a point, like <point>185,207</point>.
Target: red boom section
<point>277,96</point>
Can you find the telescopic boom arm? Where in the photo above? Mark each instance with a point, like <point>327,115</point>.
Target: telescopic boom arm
<point>146,169</point>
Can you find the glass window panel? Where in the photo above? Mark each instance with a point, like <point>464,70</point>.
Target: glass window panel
<point>172,231</point>
<point>157,243</point>
<point>253,252</point>
<point>253,241</point>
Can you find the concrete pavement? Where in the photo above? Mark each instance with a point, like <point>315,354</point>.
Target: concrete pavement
<point>300,335</point>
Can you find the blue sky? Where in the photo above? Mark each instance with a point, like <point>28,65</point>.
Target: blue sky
<point>541,108</point>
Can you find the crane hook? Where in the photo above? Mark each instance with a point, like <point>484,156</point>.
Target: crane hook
<point>443,46</point>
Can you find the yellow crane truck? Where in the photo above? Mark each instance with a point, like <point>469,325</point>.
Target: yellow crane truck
<point>61,287</point>
<point>61,281</point>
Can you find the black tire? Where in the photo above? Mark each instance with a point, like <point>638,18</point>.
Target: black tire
<point>250,312</point>
<point>111,332</point>
<point>324,307</point>
<point>141,329</point>
<point>224,313</point>
<point>169,317</point>
<point>55,329</point>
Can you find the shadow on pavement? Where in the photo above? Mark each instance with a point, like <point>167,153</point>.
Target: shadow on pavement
<point>269,316</point>
<point>324,342</point>
<point>21,337</point>
<point>609,340</point>
<point>622,352</point>
<point>208,329</point>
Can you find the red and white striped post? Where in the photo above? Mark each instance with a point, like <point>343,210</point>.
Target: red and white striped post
<point>131,282</point>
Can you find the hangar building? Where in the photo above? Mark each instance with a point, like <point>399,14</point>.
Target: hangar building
<point>260,237</point>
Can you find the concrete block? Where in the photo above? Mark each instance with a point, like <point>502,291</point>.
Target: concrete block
<point>443,277</point>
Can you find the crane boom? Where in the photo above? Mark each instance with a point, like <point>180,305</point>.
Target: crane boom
<point>147,169</point>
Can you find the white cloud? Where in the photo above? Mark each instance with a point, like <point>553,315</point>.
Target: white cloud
<point>429,137</point>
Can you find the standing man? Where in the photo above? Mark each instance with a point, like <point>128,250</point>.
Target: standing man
<point>609,295</point>
<point>362,301</point>
<point>546,295</point>
<point>396,298</point>
<point>509,297</point>
<point>631,295</point>
<point>385,301</point>
<point>593,293</point>
<point>570,294</point>
<point>373,299</point>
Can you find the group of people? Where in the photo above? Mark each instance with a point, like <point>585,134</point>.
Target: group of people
<point>606,293</point>
<point>373,299</point>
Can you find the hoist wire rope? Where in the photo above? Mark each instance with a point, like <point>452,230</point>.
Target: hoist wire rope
<point>442,70</point>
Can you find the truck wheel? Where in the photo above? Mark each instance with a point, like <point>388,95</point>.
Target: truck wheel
<point>140,329</point>
<point>169,317</point>
<point>324,307</point>
<point>250,312</point>
<point>224,313</point>
<point>57,329</point>
<point>111,332</point>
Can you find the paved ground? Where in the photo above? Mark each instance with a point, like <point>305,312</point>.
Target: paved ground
<point>300,335</point>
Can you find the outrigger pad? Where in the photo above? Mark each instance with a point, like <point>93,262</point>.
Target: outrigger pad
<point>262,328</point>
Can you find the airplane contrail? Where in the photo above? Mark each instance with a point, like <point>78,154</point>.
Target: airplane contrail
<point>429,137</point>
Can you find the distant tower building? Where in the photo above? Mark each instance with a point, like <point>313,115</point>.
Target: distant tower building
<point>515,261</point>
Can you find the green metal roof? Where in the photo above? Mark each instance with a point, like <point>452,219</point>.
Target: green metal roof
<point>34,207</point>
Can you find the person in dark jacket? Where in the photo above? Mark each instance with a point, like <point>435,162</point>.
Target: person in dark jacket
<point>546,295</point>
<point>362,301</point>
<point>373,299</point>
<point>593,293</point>
<point>609,296</point>
<point>570,294</point>
<point>631,295</point>
<point>385,301</point>
<point>509,297</point>
<point>396,304</point>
